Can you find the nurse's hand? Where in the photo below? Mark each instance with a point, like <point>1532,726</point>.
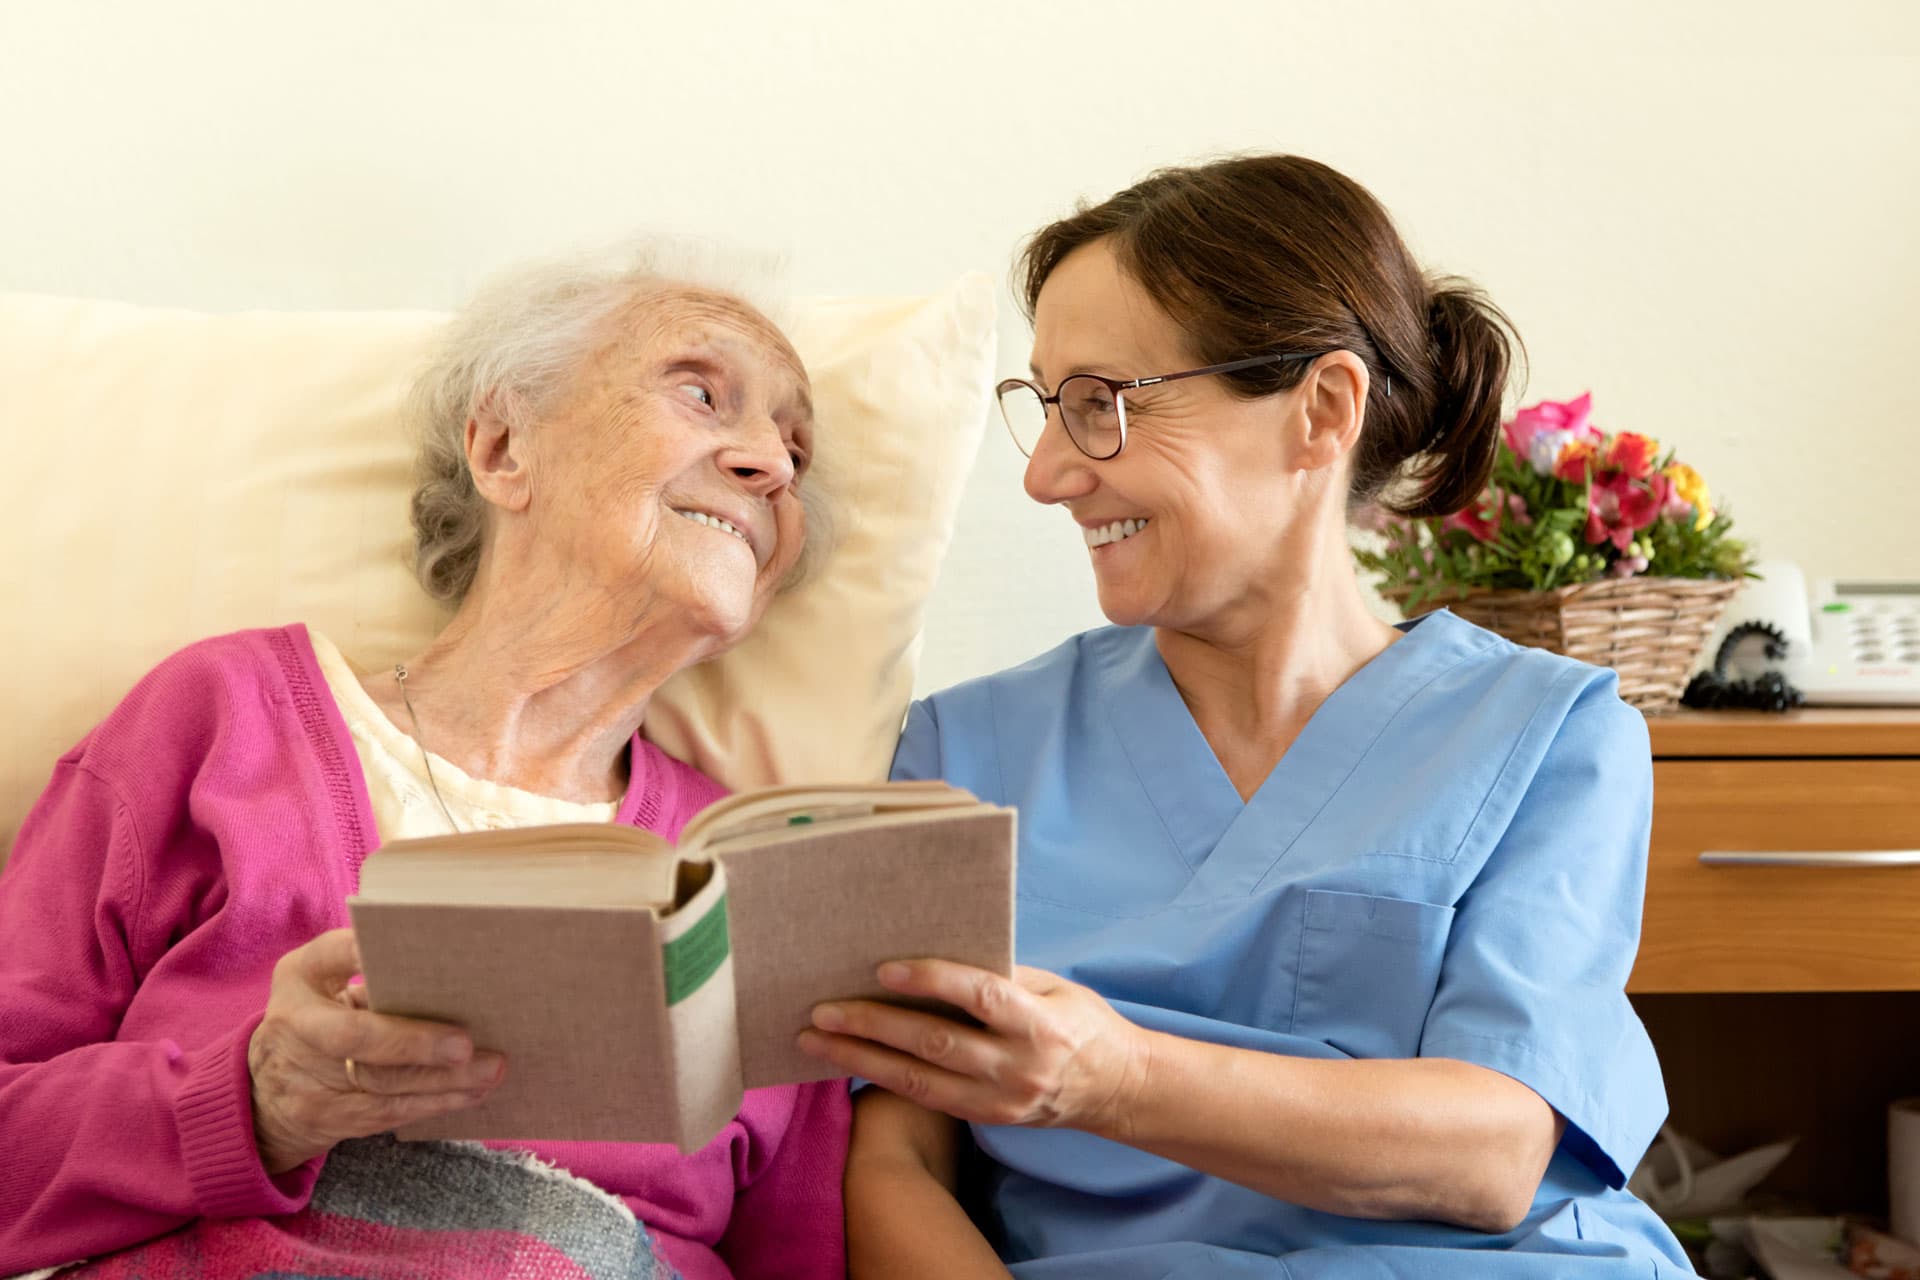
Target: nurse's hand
<point>1048,1052</point>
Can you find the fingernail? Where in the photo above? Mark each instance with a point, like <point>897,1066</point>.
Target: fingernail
<point>810,1043</point>
<point>493,1070</point>
<point>829,1017</point>
<point>894,974</point>
<point>454,1049</point>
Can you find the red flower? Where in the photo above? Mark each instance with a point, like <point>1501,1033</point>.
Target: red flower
<point>1576,458</point>
<point>1619,506</point>
<point>1633,454</point>
<point>1483,518</point>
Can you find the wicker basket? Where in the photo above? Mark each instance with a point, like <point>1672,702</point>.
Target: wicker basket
<point>1649,630</point>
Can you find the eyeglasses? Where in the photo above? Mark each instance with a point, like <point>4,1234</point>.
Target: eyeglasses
<point>1093,409</point>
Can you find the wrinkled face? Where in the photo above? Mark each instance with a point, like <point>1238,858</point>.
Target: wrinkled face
<point>1193,516</point>
<point>669,477</point>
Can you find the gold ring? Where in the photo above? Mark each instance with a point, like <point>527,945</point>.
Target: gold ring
<point>353,1077</point>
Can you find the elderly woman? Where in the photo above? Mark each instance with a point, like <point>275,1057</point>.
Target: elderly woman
<point>610,492</point>
<point>1330,919</point>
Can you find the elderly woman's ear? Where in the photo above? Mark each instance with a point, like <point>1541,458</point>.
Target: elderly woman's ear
<point>497,457</point>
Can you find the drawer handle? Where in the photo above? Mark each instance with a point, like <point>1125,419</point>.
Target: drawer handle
<point>1838,858</point>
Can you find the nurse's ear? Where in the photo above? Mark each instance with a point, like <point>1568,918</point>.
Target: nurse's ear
<point>1329,406</point>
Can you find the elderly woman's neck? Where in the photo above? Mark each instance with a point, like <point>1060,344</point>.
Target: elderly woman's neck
<point>546,701</point>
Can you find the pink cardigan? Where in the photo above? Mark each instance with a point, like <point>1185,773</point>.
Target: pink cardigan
<point>215,820</point>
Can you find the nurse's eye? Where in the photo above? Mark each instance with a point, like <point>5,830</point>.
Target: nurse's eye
<point>696,391</point>
<point>1082,398</point>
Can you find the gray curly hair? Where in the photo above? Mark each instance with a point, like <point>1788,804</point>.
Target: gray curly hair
<point>516,347</point>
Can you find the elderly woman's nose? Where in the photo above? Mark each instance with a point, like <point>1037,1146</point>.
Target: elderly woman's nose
<point>760,457</point>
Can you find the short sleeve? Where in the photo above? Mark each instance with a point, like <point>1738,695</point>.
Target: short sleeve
<point>917,758</point>
<point>1533,984</point>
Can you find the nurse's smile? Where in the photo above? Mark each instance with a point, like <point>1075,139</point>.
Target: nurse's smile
<point>1109,534</point>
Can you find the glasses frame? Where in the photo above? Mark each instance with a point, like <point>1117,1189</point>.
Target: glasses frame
<point>1119,386</point>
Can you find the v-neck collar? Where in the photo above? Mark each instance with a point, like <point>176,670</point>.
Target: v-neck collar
<point>1189,789</point>
<point>327,732</point>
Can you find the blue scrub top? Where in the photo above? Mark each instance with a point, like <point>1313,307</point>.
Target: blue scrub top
<point>1449,862</point>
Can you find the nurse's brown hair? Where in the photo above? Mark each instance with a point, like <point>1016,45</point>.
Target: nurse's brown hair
<point>1279,253</point>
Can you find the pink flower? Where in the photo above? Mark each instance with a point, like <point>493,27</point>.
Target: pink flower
<point>1483,518</point>
<point>1627,566</point>
<point>1375,518</point>
<point>1539,432</point>
<point>1619,506</point>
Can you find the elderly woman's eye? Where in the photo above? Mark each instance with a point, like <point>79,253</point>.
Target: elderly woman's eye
<point>695,391</point>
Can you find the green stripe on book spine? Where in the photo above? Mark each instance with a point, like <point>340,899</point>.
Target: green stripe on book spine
<point>690,959</point>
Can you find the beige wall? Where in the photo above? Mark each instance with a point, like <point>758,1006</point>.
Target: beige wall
<point>1705,213</point>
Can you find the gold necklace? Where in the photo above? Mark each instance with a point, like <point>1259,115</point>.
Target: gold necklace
<point>426,758</point>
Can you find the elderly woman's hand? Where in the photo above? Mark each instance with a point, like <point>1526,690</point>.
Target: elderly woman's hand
<point>1049,1052</point>
<point>304,1097</point>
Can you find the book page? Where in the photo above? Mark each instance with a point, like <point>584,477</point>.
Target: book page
<point>770,807</point>
<point>575,865</point>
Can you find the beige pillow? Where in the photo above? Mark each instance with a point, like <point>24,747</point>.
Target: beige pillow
<point>177,475</point>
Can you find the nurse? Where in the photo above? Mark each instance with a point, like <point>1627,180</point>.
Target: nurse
<point>1327,921</point>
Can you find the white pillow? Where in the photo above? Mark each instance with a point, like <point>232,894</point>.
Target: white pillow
<point>178,475</point>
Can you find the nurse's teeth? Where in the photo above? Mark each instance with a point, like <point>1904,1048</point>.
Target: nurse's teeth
<point>712,522</point>
<point>1118,531</point>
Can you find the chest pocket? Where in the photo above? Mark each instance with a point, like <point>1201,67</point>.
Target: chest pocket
<point>1369,968</point>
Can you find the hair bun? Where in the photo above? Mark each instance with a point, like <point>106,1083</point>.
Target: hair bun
<point>1472,346</point>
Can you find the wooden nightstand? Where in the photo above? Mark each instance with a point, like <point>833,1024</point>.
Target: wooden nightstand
<point>1782,985</point>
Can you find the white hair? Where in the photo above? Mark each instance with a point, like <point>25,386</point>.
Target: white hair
<point>516,348</point>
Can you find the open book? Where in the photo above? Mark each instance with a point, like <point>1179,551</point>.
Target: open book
<point>637,987</point>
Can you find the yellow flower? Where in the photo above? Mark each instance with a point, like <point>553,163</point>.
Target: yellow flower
<point>1691,489</point>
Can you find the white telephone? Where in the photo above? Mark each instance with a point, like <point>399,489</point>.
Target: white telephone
<point>1849,642</point>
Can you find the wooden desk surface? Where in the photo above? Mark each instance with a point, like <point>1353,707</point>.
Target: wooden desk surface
<point>1815,731</point>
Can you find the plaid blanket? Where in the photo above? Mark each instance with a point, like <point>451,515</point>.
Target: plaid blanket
<point>389,1210</point>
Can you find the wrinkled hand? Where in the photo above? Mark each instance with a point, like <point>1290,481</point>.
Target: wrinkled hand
<point>1049,1052</point>
<point>405,1069</point>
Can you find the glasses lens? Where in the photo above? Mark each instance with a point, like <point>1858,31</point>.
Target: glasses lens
<point>1025,416</point>
<point>1091,410</point>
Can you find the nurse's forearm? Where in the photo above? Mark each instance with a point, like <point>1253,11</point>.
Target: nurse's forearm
<point>1428,1138</point>
<point>902,1217</point>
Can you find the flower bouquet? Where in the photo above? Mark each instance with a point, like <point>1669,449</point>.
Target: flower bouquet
<point>1595,545</point>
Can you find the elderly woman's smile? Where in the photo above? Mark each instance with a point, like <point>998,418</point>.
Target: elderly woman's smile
<point>737,519</point>
<point>709,520</point>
